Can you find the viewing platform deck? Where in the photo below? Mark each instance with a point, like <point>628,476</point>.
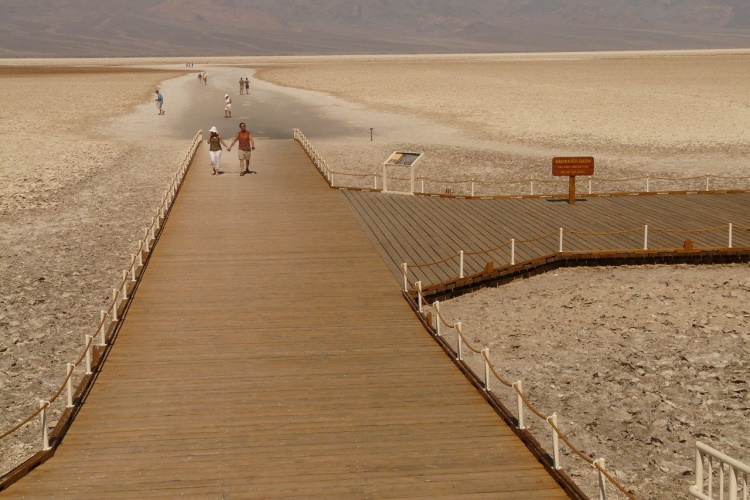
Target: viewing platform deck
<point>268,353</point>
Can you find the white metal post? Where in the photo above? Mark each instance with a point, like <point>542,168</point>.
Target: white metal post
<point>472,187</point>
<point>115,303</point>
<point>698,471</point>
<point>555,441</point>
<point>461,264</point>
<point>405,270</point>
<point>730,235</point>
<point>89,345</point>
<point>422,181</point>
<point>486,355</point>
<point>602,482</point>
<point>375,178</point>
<point>733,483</point>
<point>436,305</point>
<point>589,185</point>
<point>132,268</point>
<point>146,240</point>
<point>518,386</point>
<point>645,237</point>
<point>102,328</point>
<point>561,240</point>
<point>459,347</point>
<point>531,191</point>
<point>512,251</point>
<point>69,383</point>
<point>45,431</point>
<point>124,285</point>
<point>647,184</point>
<point>419,296</point>
<point>707,177</point>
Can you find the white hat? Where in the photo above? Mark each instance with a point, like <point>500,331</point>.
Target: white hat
<point>213,129</point>
<point>226,95</point>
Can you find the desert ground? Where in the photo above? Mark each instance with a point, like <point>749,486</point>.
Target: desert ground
<point>91,159</point>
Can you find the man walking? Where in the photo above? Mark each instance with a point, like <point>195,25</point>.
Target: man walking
<point>247,144</point>
<point>159,102</point>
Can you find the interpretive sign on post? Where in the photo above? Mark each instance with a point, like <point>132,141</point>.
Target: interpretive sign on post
<point>400,159</point>
<point>571,166</point>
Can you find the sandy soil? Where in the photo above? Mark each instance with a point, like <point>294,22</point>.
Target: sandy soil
<point>669,368</point>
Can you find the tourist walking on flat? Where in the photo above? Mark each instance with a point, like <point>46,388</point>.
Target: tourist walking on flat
<point>242,86</point>
<point>227,106</point>
<point>214,150</point>
<point>159,102</point>
<point>247,86</point>
<point>205,78</point>
<point>247,144</point>
<point>200,77</point>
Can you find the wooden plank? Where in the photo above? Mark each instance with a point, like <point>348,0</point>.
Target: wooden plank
<point>268,354</point>
<point>467,224</point>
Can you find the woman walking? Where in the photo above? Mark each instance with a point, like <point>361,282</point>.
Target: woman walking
<point>214,150</point>
<point>227,106</point>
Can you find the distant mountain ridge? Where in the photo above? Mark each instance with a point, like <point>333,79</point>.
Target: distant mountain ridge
<point>97,28</point>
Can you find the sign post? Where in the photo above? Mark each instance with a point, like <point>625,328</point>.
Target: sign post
<point>401,159</point>
<point>571,166</point>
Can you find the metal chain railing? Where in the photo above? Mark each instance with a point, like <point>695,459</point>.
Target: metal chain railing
<point>109,317</point>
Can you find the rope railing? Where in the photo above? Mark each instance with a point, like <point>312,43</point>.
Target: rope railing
<point>317,160</point>
<point>110,317</point>
<point>561,232</point>
<point>472,184</point>
<point>523,402</point>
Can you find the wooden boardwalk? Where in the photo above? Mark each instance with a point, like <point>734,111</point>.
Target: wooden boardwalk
<point>268,354</point>
<point>419,229</point>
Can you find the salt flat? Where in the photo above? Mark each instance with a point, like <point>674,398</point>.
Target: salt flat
<point>88,159</point>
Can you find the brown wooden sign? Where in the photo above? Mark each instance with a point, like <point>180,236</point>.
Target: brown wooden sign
<point>572,165</point>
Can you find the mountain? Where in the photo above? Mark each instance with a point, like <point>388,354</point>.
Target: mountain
<point>121,28</point>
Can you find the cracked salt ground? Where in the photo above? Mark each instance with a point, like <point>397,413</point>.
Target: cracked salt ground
<point>638,362</point>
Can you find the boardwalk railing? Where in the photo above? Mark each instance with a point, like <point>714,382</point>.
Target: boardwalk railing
<point>96,344</point>
<point>441,328</point>
<point>730,475</point>
<point>558,237</point>
<point>461,347</point>
<point>319,162</point>
<point>709,183</point>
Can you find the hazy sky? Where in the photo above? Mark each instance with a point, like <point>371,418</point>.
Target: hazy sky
<point>57,28</point>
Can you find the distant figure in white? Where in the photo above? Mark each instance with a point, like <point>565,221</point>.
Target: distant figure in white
<point>214,150</point>
<point>227,106</point>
